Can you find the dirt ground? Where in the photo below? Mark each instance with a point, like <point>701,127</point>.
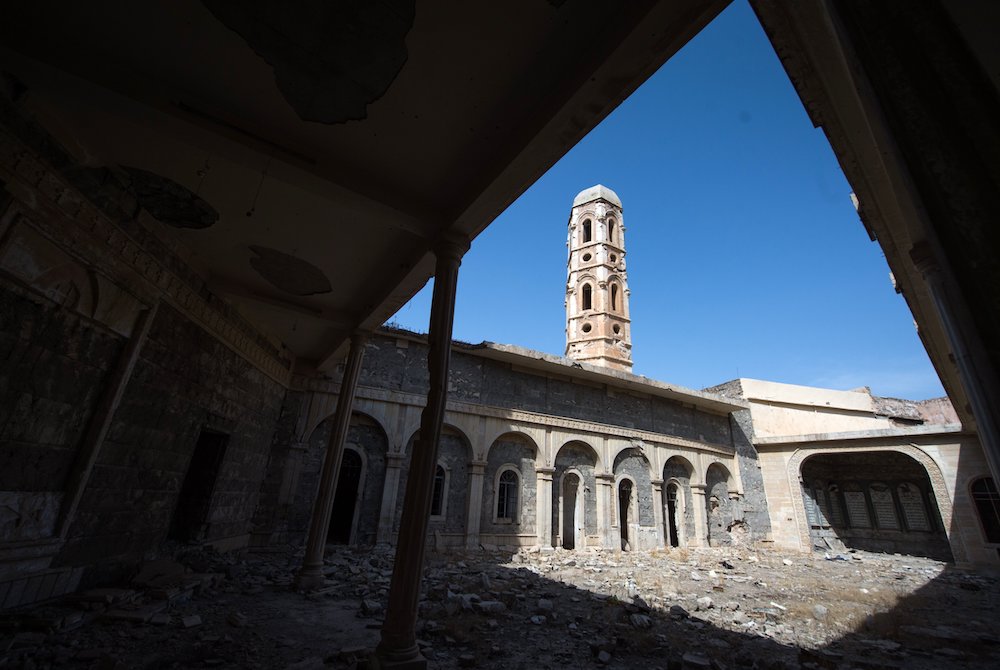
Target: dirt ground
<point>705,608</point>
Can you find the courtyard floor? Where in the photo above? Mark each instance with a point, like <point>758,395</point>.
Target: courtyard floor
<point>685,608</point>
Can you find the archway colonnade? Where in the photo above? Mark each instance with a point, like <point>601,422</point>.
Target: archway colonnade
<point>515,479</point>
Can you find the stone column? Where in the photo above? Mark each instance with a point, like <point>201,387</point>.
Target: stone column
<point>387,515</point>
<point>475,513</point>
<point>398,646</point>
<point>311,574</point>
<point>700,502</point>
<point>605,501</point>
<point>543,507</point>
<point>100,421</point>
<point>661,540</point>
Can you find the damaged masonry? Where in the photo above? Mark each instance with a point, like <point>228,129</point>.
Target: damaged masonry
<point>214,455</point>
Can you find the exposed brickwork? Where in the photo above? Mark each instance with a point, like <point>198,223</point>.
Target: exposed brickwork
<point>53,364</point>
<point>185,380</point>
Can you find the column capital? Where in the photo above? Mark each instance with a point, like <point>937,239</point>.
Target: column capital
<point>698,489</point>
<point>658,483</point>
<point>545,471</point>
<point>395,460</point>
<point>477,467</point>
<point>605,478</point>
<point>451,246</point>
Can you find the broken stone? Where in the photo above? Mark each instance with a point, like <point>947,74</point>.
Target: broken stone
<point>820,612</point>
<point>237,619</point>
<point>693,661</point>
<point>678,612</point>
<point>704,603</point>
<point>640,621</point>
<point>370,607</point>
<point>491,606</point>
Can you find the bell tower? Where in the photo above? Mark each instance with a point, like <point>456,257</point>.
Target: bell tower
<point>598,329</point>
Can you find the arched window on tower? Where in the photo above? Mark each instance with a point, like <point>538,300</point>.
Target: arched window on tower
<point>587,230</point>
<point>987,501</point>
<point>611,231</point>
<point>614,297</point>
<point>588,298</point>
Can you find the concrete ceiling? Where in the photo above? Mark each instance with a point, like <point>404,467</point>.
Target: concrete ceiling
<point>304,161</point>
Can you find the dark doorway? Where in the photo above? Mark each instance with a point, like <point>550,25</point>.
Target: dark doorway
<point>624,502</point>
<point>345,499</point>
<point>672,535</point>
<point>571,485</point>
<point>195,498</point>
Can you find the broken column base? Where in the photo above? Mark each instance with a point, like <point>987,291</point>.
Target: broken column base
<point>406,660</point>
<point>310,579</point>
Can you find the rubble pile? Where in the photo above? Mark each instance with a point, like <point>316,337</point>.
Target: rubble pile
<point>705,608</point>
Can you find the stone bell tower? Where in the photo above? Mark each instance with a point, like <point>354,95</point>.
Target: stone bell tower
<point>598,329</point>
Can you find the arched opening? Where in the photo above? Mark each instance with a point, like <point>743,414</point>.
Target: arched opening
<point>510,507</point>
<point>450,491</point>
<point>673,496</point>
<point>614,297</point>
<point>624,504</point>
<point>587,297</point>
<point>345,500</point>
<point>507,488</point>
<point>679,520</point>
<point>879,501</point>
<point>437,495</point>
<point>570,516</point>
<point>367,439</point>
<point>720,508</point>
<point>611,230</point>
<point>987,501</point>
<point>588,230</point>
<point>574,504</point>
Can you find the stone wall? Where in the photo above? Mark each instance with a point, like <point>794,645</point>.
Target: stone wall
<point>454,454</point>
<point>479,380</point>
<point>55,363</point>
<point>185,380</point>
<point>515,451</point>
<point>751,510</point>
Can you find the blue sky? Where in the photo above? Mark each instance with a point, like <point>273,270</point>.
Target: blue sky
<point>745,255</point>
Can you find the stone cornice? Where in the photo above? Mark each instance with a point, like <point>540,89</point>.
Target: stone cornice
<point>902,434</point>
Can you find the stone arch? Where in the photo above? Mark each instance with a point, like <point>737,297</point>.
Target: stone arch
<point>938,484</point>
<point>631,462</point>
<point>720,508</point>
<point>511,448</point>
<point>579,459</point>
<point>454,453</point>
<point>367,436</point>
<point>679,517</point>
<point>517,433</point>
<point>373,416</point>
